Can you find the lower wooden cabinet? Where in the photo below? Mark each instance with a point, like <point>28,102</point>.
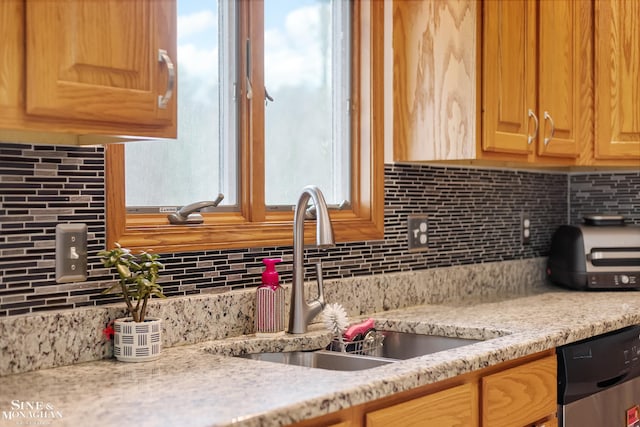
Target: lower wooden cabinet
<point>553,422</point>
<point>519,393</point>
<point>457,406</point>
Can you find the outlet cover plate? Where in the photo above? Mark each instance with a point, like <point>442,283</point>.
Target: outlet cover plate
<point>417,232</point>
<point>71,252</point>
<point>525,228</point>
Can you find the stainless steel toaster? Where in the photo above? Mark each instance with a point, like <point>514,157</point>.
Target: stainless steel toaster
<point>601,254</point>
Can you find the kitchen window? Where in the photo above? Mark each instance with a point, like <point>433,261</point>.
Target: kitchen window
<point>289,102</point>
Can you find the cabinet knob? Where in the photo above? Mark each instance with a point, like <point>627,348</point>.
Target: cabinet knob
<point>547,116</point>
<point>533,137</point>
<point>163,100</point>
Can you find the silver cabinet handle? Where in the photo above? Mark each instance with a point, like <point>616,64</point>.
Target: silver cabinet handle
<point>533,137</point>
<point>547,116</point>
<point>163,100</point>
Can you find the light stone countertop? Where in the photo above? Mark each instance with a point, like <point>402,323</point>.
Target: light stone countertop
<point>200,385</point>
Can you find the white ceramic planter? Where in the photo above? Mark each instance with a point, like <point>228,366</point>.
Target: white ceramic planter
<point>137,341</point>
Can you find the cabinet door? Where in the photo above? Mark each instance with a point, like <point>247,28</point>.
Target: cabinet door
<point>564,79</point>
<point>509,75</point>
<point>434,68</point>
<point>617,81</point>
<point>100,60</point>
<point>519,396</point>
<point>457,406</point>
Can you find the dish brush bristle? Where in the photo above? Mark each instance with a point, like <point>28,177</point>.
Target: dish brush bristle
<point>335,319</point>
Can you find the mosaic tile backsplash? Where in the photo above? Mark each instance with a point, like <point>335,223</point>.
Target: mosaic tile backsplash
<point>605,194</point>
<point>474,216</point>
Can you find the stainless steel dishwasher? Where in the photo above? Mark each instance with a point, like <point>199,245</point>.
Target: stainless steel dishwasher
<point>599,381</point>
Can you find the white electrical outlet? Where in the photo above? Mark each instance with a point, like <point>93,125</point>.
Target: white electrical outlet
<point>525,223</point>
<point>417,232</point>
<point>71,253</point>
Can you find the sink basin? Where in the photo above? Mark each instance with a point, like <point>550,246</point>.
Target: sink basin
<point>396,346</point>
<point>405,345</point>
<point>320,359</point>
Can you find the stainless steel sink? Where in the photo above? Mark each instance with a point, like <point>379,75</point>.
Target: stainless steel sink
<point>395,346</point>
<point>320,359</point>
<point>405,345</point>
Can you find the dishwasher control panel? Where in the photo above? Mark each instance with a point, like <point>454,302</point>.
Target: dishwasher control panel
<point>594,364</point>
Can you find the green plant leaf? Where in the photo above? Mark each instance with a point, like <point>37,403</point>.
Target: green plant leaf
<point>138,276</point>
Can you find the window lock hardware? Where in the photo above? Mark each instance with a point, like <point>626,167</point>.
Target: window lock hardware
<point>248,69</point>
<point>249,89</point>
<point>310,213</point>
<point>267,96</point>
<point>188,215</point>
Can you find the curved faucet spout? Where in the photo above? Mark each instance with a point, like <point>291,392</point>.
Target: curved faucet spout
<point>302,311</point>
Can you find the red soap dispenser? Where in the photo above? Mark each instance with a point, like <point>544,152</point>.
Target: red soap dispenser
<point>270,300</point>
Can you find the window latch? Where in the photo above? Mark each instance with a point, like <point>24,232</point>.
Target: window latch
<point>310,213</point>
<point>268,97</point>
<point>248,69</point>
<point>188,215</point>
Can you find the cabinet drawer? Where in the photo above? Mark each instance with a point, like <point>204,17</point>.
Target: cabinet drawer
<point>457,406</point>
<point>521,395</point>
<point>553,422</point>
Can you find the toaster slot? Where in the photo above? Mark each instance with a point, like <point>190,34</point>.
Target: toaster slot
<point>615,257</point>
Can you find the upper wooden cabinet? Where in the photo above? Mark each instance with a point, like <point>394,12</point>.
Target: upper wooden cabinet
<point>76,68</point>
<point>617,80</point>
<point>434,79</point>
<point>497,81</point>
<point>553,83</point>
<point>536,80</point>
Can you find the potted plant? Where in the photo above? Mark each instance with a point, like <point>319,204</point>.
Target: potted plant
<point>136,338</point>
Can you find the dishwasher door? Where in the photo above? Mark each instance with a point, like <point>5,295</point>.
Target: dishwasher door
<point>599,380</point>
<point>613,407</point>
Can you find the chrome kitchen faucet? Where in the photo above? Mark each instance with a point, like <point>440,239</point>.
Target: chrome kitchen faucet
<point>302,311</point>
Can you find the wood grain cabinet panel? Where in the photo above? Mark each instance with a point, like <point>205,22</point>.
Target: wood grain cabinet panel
<point>434,78</point>
<point>617,79</point>
<point>521,395</point>
<point>457,406</point>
